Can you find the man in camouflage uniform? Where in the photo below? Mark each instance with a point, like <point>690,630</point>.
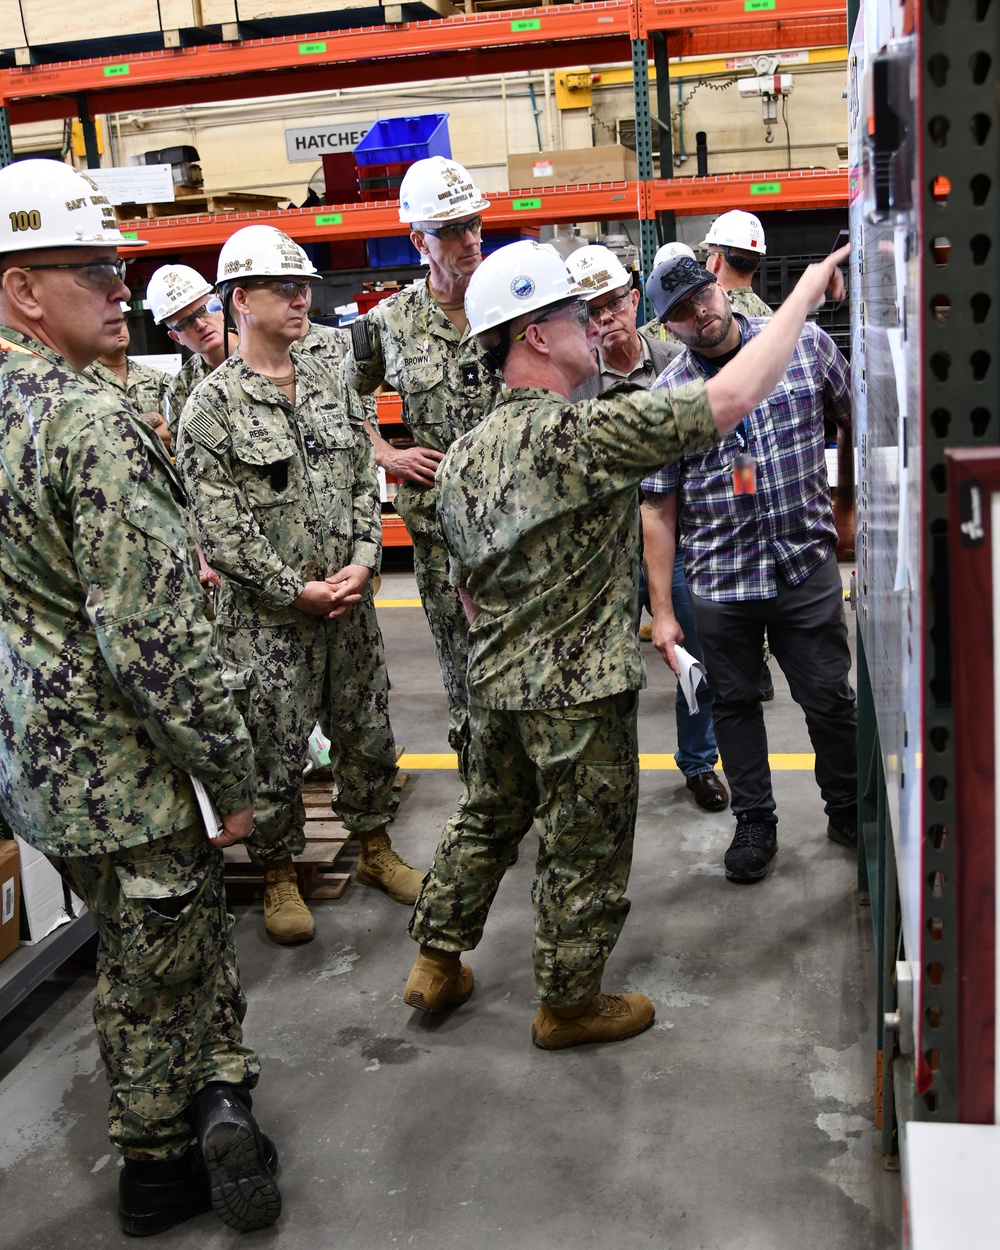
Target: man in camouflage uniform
<point>734,245</point>
<point>283,499</point>
<point>142,388</point>
<point>184,301</point>
<point>417,341</point>
<point>540,511</point>
<point>112,699</point>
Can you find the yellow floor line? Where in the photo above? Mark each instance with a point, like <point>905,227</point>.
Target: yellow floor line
<point>397,603</point>
<point>780,762</point>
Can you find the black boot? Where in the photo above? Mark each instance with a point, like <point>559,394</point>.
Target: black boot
<point>154,1195</point>
<point>157,1194</point>
<point>243,1191</point>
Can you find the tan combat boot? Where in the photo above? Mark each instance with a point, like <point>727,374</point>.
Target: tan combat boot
<point>381,867</point>
<point>286,917</point>
<point>606,1018</point>
<point>437,980</point>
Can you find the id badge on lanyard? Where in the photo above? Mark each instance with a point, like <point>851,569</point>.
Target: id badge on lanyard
<point>744,465</point>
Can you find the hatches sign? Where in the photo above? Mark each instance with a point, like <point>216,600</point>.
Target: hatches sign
<point>308,143</point>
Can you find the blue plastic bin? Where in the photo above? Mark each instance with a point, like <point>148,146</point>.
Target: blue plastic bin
<point>395,139</point>
<point>395,250</point>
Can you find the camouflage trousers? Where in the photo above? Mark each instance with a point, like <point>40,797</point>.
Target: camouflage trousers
<point>576,770</point>
<point>450,630</point>
<point>169,1007</point>
<point>330,672</point>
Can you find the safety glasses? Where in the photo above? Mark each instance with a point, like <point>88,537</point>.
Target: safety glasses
<point>213,305</point>
<point>612,307</point>
<point>577,308</point>
<point>685,310</point>
<point>99,275</point>
<point>283,288</point>
<point>454,229</point>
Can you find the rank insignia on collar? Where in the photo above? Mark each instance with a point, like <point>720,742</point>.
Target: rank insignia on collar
<point>470,375</point>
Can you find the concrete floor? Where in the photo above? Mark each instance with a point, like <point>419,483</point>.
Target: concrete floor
<point>744,1120</point>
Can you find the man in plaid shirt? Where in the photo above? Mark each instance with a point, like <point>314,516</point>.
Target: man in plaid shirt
<point>759,542</point>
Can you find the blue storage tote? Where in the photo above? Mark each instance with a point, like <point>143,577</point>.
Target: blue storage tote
<point>395,139</point>
<point>395,250</point>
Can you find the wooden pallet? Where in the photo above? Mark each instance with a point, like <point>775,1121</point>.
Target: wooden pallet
<point>319,872</point>
<point>193,205</point>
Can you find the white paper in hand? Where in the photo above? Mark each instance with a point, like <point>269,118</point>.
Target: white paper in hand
<point>209,812</point>
<point>692,672</point>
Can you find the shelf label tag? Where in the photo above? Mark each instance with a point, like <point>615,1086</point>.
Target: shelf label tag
<point>520,205</point>
<point>526,23</point>
<point>116,71</point>
<point>759,6</point>
<point>329,219</point>
<point>129,234</point>
<point>765,188</point>
<point>311,49</point>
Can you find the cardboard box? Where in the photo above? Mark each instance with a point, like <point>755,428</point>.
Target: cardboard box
<point>10,898</point>
<point>46,902</point>
<point>571,167</point>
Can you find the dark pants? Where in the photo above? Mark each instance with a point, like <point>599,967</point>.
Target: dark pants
<point>807,631</point>
<point>696,747</point>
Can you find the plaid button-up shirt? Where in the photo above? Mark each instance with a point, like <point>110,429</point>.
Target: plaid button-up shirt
<point>735,545</point>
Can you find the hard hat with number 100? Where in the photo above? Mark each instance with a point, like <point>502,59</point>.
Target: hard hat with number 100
<point>520,278</point>
<point>49,204</point>
<point>262,252</point>
<point>437,189</point>
<point>597,270</point>
<point>173,287</point>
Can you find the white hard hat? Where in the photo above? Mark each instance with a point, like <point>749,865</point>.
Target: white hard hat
<point>437,189</point>
<point>173,287</point>
<point>737,229</point>
<point>519,278</point>
<point>262,252</point>
<point>669,251</point>
<point>597,270</point>
<point>49,204</point>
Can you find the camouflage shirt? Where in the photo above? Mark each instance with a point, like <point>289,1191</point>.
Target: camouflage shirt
<point>539,506</point>
<point>111,691</point>
<point>745,300</point>
<point>329,346</point>
<point>194,370</point>
<point>280,495</point>
<point>145,388</point>
<point>441,375</point>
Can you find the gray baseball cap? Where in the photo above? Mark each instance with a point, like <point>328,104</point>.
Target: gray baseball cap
<point>672,281</point>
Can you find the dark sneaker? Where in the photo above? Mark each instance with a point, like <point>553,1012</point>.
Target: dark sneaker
<point>843,829</point>
<point>766,690</point>
<point>751,851</point>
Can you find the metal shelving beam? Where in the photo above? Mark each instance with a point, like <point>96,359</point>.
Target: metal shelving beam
<point>607,201</point>
<point>809,188</point>
<point>472,44</point>
<point>476,44</point>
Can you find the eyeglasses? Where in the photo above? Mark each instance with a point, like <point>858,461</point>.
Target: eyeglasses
<point>283,288</point>
<point>576,307</point>
<point>99,275</point>
<point>454,229</point>
<point>685,310</point>
<point>612,307</point>
<point>210,306</point>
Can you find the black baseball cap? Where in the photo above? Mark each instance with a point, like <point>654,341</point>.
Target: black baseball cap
<point>672,281</point>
